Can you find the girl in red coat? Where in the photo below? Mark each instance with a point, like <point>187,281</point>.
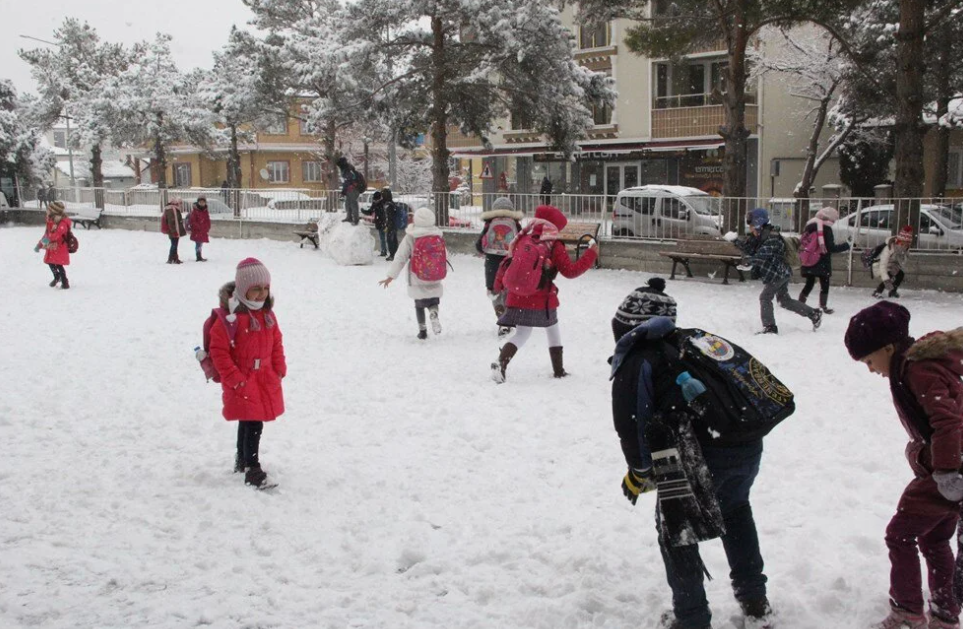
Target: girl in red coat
<point>54,243</point>
<point>539,310</point>
<point>199,222</point>
<point>248,354</point>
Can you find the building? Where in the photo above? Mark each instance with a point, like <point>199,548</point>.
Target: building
<point>116,167</point>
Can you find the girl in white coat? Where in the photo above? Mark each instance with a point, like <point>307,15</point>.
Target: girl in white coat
<point>427,294</point>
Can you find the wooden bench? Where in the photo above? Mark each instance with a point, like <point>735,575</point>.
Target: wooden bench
<point>86,220</point>
<point>580,235</point>
<point>309,233</point>
<point>705,249</point>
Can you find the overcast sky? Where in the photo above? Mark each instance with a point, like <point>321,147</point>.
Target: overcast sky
<point>198,26</point>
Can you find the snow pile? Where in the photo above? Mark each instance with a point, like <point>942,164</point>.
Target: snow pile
<point>350,245</point>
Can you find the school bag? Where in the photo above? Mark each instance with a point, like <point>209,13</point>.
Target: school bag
<point>791,255</point>
<point>429,259</point>
<point>870,256</point>
<point>164,228</point>
<point>71,241</point>
<point>748,401</point>
<point>499,236</point>
<point>401,215</point>
<point>360,183</point>
<point>527,262</point>
<point>809,250</point>
<point>230,324</point>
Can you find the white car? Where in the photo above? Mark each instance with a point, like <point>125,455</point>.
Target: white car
<point>657,211</point>
<point>941,226</point>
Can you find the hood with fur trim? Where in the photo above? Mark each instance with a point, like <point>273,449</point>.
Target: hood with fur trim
<point>941,346</point>
<point>225,293</point>
<point>492,214</point>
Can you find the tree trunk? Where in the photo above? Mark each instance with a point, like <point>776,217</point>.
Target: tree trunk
<point>97,175</point>
<point>439,124</point>
<point>234,162</point>
<point>941,163</point>
<point>160,159</point>
<point>944,93</point>
<point>330,157</point>
<point>810,170</point>
<point>735,134</point>
<point>908,130</point>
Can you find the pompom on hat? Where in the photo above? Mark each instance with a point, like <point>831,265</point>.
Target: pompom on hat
<point>250,272</point>
<point>905,236</point>
<point>641,305</point>
<point>874,328</point>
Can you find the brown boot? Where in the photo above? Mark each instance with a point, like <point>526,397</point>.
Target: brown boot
<point>498,368</point>
<point>557,368</point>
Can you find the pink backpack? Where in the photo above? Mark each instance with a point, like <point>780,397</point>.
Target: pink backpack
<point>810,250</point>
<point>528,260</point>
<point>429,260</point>
<point>230,323</point>
<point>499,236</point>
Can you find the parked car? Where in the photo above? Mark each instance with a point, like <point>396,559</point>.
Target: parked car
<point>214,205</point>
<point>941,226</point>
<point>3,202</point>
<point>657,211</point>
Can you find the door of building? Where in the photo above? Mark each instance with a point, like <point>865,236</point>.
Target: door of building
<point>618,177</point>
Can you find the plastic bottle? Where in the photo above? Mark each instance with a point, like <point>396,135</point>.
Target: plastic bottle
<point>693,391</point>
<point>199,354</point>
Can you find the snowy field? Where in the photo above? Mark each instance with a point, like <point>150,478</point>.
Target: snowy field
<point>413,491</point>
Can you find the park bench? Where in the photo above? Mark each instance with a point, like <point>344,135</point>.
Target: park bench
<point>580,235</point>
<point>86,220</point>
<point>709,249</point>
<point>309,233</point>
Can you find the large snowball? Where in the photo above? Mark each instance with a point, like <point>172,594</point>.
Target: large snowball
<point>351,245</point>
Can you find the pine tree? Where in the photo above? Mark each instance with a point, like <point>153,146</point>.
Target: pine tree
<point>20,135</point>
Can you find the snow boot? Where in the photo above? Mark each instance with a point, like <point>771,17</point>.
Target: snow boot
<point>556,355</point>
<point>389,259</point>
<point>64,283</point>
<point>758,613</point>
<point>823,301</point>
<point>669,621</point>
<point>433,317</point>
<point>503,331</point>
<point>56,280</point>
<point>770,329</point>
<point>817,318</point>
<point>238,463</point>
<point>423,334</point>
<point>200,258</point>
<point>504,357</point>
<point>893,294</point>
<point>255,475</point>
<point>902,619</point>
<point>940,623</point>
<point>177,260</point>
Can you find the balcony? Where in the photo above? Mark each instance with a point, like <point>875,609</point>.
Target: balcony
<point>694,122</point>
<point>458,140</point>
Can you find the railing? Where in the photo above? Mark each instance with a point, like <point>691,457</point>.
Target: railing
<point>654,215</point>
<point>687,122</point>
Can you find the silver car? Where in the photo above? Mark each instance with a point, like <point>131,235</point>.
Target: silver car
<point>941,226</point>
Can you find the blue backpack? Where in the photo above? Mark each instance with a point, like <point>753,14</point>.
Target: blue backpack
<point>401,215</point>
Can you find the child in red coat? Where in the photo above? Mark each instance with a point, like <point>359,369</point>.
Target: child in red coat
<point>251,364</point>
<point>924,379</point>
<point>54,243</point>
<point>199,221</point>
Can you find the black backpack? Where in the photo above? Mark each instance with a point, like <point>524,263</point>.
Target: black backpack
<point>869,256</point>
<point>361,184</point>
<point>746,399</point>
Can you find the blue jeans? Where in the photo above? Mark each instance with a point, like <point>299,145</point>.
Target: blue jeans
<point>733,471</point>
<point>384,242</point>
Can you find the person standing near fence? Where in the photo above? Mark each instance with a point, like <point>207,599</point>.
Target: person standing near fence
<point>41,196</point>
<point>892,261</point>
<point>546,190</point>
<point>172,224</point>
<point>54,244</point>
<point>352,185</point>
<point>818,230</point>
<point>51,193</point>
<point>200,224</point>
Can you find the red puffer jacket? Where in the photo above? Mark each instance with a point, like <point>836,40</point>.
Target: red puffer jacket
<point>252,369</point>
<point>56,249</point>
<point>547,298</point>
<point>200,222</point>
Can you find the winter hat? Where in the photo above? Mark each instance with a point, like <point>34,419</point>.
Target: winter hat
<point>641,305</point>
<point>503,203</point>
<point>553,215</point>
<point>905,236</point>
<point>424,217</point>
<point>828,215</point>
<point>175,201</point>
<point>376,196</point>
<point>57,207</point>
<point>758,218</point>
<point>875,327</point>
<point>342,162</point>
<point>250,272</point>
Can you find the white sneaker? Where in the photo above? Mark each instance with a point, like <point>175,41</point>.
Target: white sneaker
<point>435,323</point>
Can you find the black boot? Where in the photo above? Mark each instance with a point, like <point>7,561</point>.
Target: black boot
<point>255,475</point>
<point>823,300</point>
<point>200,258</point>
<point>238,463</point>
<point>64,284</point>
<point>504,357</point>
<point>557,369</point>
<point>55,281</point>
<point>769,329</point>
<point>757,608</point>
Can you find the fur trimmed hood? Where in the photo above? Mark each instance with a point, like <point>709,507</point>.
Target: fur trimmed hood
<point>936,346</point>
<point>225,293</point>
<point>492,214</point>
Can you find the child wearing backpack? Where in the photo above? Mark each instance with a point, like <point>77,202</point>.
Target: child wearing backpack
<point>924,380</point>
<point>816,248</point>
<point>502,224</point>
<point>424,248</point>
<point>892,262</point>
<point>247,352</point>
<point>766,253</point>
<point>535,259</point>
<point>56,243</point>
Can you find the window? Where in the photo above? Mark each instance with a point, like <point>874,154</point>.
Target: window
<point>954,168</point>
<point>310,172</point>
<point>521,121</point>
<point>182,175</point>
<point>303,126</point>
<point>275,125</point>
<point>279,172</point>
<point>925,224</point>
<point>60,139</point>
<point>602,113</point>
<point>673,208</point>
<point>640,205</point>
<point>693,83</point>
<point>593,36</point>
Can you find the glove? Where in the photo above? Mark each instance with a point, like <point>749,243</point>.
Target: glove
<point>950,484</point>
<point>637,482</point>
<point>731,236</point>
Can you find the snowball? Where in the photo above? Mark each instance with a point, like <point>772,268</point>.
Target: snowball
<point>351,245</point>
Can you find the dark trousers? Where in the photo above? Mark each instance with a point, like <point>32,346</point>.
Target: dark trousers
<point>931,535</point>
<point>351,207</point>
<point>172,255</point>
<point>392,237</point>
<point>249,441</point>
<point>59,273</point>
<point>420,306</point>
<point>823,289</point>
<point>733,471</point>
<point>384,241</point>
<point>779,291</point>
<point>896,281</point>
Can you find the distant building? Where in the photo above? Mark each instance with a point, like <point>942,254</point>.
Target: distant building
<point>116,168</point>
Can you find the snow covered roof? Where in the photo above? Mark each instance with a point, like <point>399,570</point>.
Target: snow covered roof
<point>953,117</point>
<point>682,191</point>
<point>110,168</point>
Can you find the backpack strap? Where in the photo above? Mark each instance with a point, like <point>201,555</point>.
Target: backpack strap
<point>230,323</point>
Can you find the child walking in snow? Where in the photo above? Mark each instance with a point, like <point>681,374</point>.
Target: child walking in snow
<point>892,261</point>
<point>538,309</point>
<point>502,224</point>
<point>54,244</point>
<point>172,225</point>
<point>924,380</point>
<point>248,353</point>
<point>424,247</point>
<point>825,246</point>
<point>766,252</point>
<point>199,221</point>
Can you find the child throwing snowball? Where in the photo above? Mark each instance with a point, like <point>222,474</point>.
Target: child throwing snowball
<point>55,244</point>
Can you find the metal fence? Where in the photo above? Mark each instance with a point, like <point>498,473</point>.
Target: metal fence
<point>654,214</point>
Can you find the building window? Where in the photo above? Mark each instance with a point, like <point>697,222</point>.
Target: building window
<point>60,139</point>
<point>694,83</point>
<point>601,113</point>
<point>954,169</point>
<point>182,175</point>
<point>275,125</point>
<point>593,36</point>
<point>521,121</point>
<point>303,126</point>
<point>279,172</point>
<point>311,172</point>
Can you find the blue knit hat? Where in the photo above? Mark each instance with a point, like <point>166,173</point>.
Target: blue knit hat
<point>758,218</point>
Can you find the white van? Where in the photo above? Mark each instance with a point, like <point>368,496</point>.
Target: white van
<point>666,212</point>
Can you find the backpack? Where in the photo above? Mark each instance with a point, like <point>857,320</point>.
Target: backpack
<point>792,252</point>
<point>71,241</point>
<point>164,228</point>
<point>230,323</point>
<point>869,256</point>
<point>809,250</point>
<point>747,399</point>
<point>528,260</point>
<point>401,215</point>
<point>499,236</point>
<point>360,183</point>
<point>429,259</point>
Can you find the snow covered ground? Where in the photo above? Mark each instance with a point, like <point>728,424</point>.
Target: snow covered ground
<point>414,492</point>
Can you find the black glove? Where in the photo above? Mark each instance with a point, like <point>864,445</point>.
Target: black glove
<point>637,482</point>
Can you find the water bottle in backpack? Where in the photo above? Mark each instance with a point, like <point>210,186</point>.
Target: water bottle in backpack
<point>693,391</point>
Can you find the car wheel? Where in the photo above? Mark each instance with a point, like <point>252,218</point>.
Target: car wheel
<point>622,232</point>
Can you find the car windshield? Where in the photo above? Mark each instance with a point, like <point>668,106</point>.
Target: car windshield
<point>952,216</point>
<point>705,205</point>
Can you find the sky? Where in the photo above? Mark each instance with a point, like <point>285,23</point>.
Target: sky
<point>198,26</point>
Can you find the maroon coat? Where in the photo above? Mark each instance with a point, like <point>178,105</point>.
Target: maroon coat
<point>928,395</point>
<point>547,298</point>
<point>200,224</point>
<point>56,249</point>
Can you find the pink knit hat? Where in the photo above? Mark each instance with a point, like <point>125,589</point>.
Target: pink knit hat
<point>828,215</point>
<point>250,272</point>
<point>905,236</point>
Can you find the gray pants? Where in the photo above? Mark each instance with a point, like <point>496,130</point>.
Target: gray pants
<point>780,291</point>
<point>351,207</point>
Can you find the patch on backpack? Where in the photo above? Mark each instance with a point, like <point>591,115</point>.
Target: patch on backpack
<point>716,348</point>
<point>771,388</point>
